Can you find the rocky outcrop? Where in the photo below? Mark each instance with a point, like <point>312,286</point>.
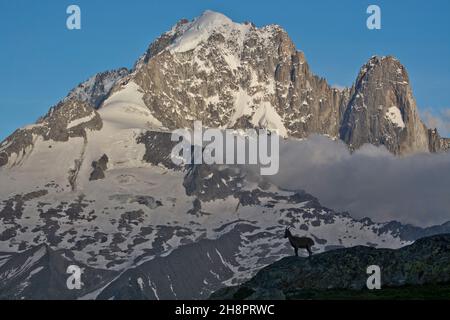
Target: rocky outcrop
<point>99,168</point>
<point>158,149</point>
<point>436,142</point>
<point>236,75</point>
<point>96,89</point>
<point>425,262</point>
<point>237,72</point>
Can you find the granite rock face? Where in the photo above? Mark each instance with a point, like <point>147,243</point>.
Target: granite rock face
<point>239,76</point>
<point>99,167</point>
<point>382,110</point>
<point>233,75</point>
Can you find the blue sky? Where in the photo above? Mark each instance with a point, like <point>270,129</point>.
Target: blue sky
<point>41,60</point>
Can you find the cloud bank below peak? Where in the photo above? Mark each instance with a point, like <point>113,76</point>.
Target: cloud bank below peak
<point>370,182</point>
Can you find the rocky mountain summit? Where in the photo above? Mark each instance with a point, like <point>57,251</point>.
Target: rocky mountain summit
<point>232,75</point>
<point>426,262</point>
<point>382,110</point>
<point>92,182</point>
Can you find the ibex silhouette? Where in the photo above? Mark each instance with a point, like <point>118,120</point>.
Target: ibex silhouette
<point>299,242</point>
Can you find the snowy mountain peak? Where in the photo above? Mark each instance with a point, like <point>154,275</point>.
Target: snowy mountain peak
<point>210,17</point>
<point>203,27</point>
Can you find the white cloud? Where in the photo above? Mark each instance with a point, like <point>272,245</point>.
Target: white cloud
<point>438,119</point>
<point>370,182</point>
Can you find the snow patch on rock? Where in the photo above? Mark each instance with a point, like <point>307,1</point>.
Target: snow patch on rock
<point>126,108</point>
<point>395,116</point>
<point>267,117</point>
